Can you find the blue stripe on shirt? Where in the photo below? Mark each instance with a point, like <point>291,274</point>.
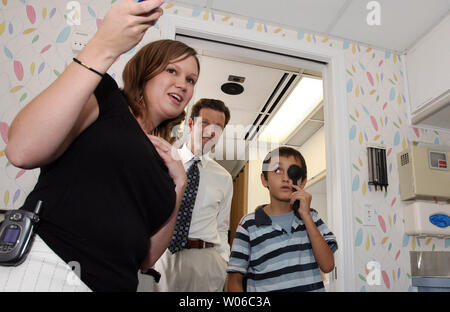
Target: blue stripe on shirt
<point>273,260</point>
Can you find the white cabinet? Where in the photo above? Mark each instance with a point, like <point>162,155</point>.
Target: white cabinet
<point>428,71</point>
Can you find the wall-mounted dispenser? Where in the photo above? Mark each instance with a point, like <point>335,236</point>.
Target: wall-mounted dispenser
<point>424,172</point>
<point>377,167</point>
<point>427,218</point>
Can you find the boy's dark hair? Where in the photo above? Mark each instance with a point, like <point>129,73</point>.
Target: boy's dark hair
<point>286,152</point>
<point>214,104</point>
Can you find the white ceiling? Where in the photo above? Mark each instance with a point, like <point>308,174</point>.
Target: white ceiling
<point>245,106</point>
<point>402,22</point>
<point>258,85</point>
<point>265,83</point>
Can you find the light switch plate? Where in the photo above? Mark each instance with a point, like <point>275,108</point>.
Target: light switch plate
<point>80,40</point>
<point>370,215</point>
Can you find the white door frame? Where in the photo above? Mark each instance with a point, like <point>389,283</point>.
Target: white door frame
<point>339,192</point>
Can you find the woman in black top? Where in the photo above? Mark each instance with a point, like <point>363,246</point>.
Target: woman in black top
<point>110,187</point>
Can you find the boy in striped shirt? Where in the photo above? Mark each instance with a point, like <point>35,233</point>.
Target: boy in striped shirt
<point>277,248</point>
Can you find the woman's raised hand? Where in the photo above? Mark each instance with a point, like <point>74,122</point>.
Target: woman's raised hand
<point>125,24</point>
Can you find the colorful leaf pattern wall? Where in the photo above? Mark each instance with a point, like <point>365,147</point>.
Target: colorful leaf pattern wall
<point>35,48</point>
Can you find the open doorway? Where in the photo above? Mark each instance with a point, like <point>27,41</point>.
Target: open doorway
<point>255,85</point>
<point>330,63</point>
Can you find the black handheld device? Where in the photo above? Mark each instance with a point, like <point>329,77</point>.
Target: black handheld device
<point>152,272</point>
<point>295,172</point>
<point>17,234</point>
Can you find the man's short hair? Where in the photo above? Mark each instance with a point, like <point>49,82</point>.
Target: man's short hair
<point>214,104</point>
<point>286,152</point>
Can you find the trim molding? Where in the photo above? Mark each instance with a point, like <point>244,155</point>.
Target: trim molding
<point>339,193</point>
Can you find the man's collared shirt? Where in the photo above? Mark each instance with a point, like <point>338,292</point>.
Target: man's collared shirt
<point>273,260</point>
<point>211,214</point>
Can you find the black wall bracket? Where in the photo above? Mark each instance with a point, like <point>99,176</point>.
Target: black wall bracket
<point>377,167</point>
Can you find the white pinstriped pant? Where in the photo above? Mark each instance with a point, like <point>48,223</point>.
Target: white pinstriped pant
<point>41,271</point>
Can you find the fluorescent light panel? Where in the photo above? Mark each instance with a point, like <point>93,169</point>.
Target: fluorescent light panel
<point>303,99</point>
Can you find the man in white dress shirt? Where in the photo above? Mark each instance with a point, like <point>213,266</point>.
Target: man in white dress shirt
<point>201,264</point>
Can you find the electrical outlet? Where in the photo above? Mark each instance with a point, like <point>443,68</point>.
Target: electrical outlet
<point>80,40</point>
<point>370,215</point>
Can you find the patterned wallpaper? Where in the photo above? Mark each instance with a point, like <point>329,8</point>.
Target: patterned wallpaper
<point>35,48</point>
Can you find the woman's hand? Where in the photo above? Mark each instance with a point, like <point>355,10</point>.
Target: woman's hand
<point>125,24</point>
<point>160,240</point>
<point>170,156</point>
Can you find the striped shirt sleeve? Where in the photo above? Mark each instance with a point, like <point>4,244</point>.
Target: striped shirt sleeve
<point>240,251</point>
<point>329,237</point>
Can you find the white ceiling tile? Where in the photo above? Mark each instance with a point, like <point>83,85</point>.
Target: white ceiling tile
<point>301,14</point>
<point>402,22</point>
<point>196,3</point>
<point>259,83</point>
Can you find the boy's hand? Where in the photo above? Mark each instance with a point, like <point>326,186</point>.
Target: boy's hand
<point>304,198</point>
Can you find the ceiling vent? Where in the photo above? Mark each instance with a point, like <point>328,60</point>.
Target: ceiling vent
<point>279,94</point>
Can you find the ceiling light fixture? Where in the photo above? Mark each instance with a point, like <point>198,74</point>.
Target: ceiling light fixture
<point>306,95</point>
<point>232,88</point>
